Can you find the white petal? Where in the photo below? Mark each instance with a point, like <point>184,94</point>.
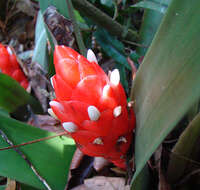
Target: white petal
<point>70,127</point>
<point>98,141</point>
<point>93,113</point>
<point>51,80</point>
<point>117,111</point>
<point>115,77</point>
<point>51,113</point>
<point>122,139</point>
<point>9,50</point>
<point>56,104</point>
<point>105,90</point>
<point>91,56</point>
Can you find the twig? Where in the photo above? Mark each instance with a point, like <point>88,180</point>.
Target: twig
<point>134,43</point>
<point>26,160</point>
<point>76,28</point>
<point>34,141</point>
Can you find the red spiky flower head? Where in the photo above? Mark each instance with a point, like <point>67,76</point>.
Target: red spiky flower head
<point>10,66</point>
<point>91,106</point>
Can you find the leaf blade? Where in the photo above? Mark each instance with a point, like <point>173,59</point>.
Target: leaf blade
<point>170,75</point>
<point>51,158</point>
<point>12,93</point>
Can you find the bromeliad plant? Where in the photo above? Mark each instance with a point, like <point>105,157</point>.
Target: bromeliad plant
<point>91,106</point>
<point>10,66</point>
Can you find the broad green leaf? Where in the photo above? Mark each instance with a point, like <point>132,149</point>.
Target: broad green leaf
<point>183,149</point>
<point>40,54</point>
<point>142,180</point>
<point>2,187</point>
<point>13,95</point>
<point>156,6</point>
<point>167,82</point>
<point>51,158</point>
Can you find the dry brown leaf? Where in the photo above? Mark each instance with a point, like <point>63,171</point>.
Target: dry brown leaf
<point>101,182</point>
<point>60,27</point>
<point>46,122</point>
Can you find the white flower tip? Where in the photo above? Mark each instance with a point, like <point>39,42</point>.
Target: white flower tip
<point>122,139</point>
<point>117,111</point>
<point>70,127</point>
<point>105,90</point>
<point>51,80</point>
<point>98,141</point>
<point>115,77</point>
<point>93,113</point>
<point>52,114</point>
<point>56,104</point>
<point>91,56</point>
<point>9,50</point>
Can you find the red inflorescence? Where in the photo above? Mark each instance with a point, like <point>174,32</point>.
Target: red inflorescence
<point>10,66</point>
<point>91,106</point>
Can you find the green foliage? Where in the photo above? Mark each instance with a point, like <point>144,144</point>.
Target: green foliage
<point>184,151</point>
<point>156,6</point>
<point>40,54</point>
<point>150,24</point>
<point>13,95</point>
<point>51,158</point>
<point>60,5</point>
<point>115,49</point>
<point>166,85</point>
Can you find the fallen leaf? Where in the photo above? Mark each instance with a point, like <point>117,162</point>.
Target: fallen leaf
<point>101,182</point>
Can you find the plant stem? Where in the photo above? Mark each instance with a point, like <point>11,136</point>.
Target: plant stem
<point>103,20</point>
<point>76,28</point>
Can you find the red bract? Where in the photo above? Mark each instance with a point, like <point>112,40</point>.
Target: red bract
<point>10,66</point>
<point>91,106</point>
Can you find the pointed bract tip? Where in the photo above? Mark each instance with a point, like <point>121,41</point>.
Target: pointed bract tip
<point>93,113</point>
<point>105,90</point>
<point>55,103</point>
<point>115,77</point>
<point>98,141</point>
<point>91,56</point>
<point>117,111</point>
<point>9,50</point>
<point>122,139</point>
<point>70,127</point>
<point>52,114</point>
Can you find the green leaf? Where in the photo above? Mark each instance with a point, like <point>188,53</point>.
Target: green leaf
<point>4,112</point>
<point>156,6</point>
<point>108,3</point>
<point>51,158</point>
<point>40,54</point>
<point>13,95</point>
<point>2,187</point>
<point>150,24</point>
<point>142,180</point>
<point>61,5</point>
<point>167,82</point>
<point>183,149</point>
